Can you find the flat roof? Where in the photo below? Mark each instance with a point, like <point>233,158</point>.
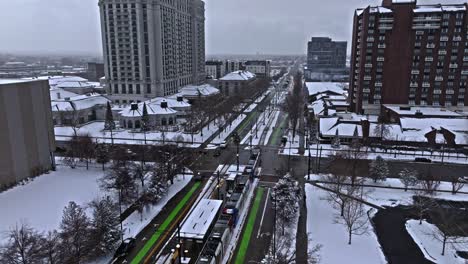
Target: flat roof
<point>197,224</point>
<point>12,81</point>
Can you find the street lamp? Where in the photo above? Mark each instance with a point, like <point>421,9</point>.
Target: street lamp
<point>179,253</point>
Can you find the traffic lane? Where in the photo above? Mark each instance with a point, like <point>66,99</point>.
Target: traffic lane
<point>263,230</point>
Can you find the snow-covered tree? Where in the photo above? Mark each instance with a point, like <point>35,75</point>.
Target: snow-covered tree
<point>378,170</point>
<point>336,142</point>
<point>23,246</point>
<point>87,149</point>
<point>339,195</point>
<point>408,178</point>
<point>75,234</point>
<point>158,184</point>
<point>105,227</point>
<point>109,123</point>
<point>286,195</point>
<point>457,183</point>
<point>120,179</point>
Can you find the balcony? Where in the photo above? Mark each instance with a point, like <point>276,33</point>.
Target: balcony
<point>381,46</point>
<point>366,90</point>
<point>453,66</point>
<point>426,26</point>
<point>378,97</point>
<point>378,84</point>
<point>439,78</point>
<point>368,65</point>
<point>444,38</point>
<point>370,39</point>
<point>430,45</point>
<point>449,92</point>
<point>457,38</point>
<point>464,72</point>
<point>465,58</point>
<point>385,26</point>
<point>429,59</point>
<point>386,20</point>
<point>415,72</point>
<point>367,78</point>
<point>442,52</point>
<point>426,18</point>
<point>380,59</point>
<point>413,84</point>
<point>437,92</point>
<point>426,85</point>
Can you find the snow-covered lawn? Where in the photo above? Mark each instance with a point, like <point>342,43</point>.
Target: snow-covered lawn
<point>323,230</point>
<point>134,224</point>
<point>272,127</point>
<point>223,136</point>
<point>395,197</point>
<point>431,247</point>
<point>40,203</point>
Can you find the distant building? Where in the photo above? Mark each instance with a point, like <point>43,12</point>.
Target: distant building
<point>95,71</point>
<point>152,48</point>
<point>409,54</point>
<point>231,66</point>
<point>261,68</point>
<point>325,55</point>
<point>234,83</point>
<point>27,138</point>
<point>215,69</point>
<point>20,69</point>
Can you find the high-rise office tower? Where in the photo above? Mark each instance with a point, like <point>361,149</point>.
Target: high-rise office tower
<point>326,55</point>
<point>152,47</point>
<point>410,54</point>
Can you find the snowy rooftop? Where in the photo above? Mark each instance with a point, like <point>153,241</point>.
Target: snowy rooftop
<point>75,84</point>
<point>54,79</point>
<point>12,81</point>
<point>325,87</point>
<point>59,93</point>
<point>153,108</point>
<point>458,124</point>
<point>439,8</point>
<point>425,111</point>
<point>238,76</point>
<point>198,90</point>
<point>197,224</point>
<point>80,102</point>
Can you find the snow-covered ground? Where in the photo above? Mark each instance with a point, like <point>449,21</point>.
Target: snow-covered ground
<point>431,247</point>
<point>250,108</point>
<point>323,230</point>
<point>371,154</point>
<point>395,197</point>
<point>263,122</point>
<point>272,127</point>
<point>134,223</point>
<point>40,202</point>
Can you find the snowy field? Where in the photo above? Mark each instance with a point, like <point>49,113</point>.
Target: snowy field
<point>333,237</point>
<point>40,202</point>
<point>431,247</point>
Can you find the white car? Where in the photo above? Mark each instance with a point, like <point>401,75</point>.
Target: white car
<point>223,145</point>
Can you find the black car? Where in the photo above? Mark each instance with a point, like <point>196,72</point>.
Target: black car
<point>425,160</point>
<point>124,248</point>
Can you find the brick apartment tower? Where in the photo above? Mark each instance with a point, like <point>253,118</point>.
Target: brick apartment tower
<point>404,53</point>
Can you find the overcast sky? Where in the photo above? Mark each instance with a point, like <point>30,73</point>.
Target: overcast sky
<point>232,26</point>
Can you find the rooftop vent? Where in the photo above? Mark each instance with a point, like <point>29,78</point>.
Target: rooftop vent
<point>134,107</point>
<point>405,108</point>
<point>180,99</point>
<point>67,98</point>
<point>418,113</point>
<point>163,104</point>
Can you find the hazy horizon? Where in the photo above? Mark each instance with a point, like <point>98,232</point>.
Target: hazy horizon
<point>265,27</point>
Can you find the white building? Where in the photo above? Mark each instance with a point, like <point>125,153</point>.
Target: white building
<point>235,82</point>
<point>77,110</point>
<point>152,48</point>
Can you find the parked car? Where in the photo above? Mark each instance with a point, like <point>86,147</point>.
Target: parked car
<point>223,145</point>
<point>125,248</point>
<point>425,160</point>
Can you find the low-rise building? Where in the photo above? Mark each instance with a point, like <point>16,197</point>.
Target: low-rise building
<point>27,140</point>
<point>78,110</point>
<point>234,83</point>
<point>215,69</point>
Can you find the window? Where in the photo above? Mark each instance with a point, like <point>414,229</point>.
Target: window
<point>148,88</point>
<point>116,88</point>
<point>138,91</point>
<point>130,89</point>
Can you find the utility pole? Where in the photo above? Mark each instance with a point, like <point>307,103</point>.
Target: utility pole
<point>274,234</point>
<point>219,186</point>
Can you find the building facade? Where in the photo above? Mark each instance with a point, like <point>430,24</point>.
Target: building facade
<point>215,69</point>
<point>325,55</point>
<point>95,71</point>
<point>152,47</point>
<point>409,54</point>
<point>261,68</point>
<point>235,83</point>
<point>27,140</point>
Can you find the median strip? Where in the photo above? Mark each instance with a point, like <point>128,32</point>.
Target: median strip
<point>163,228</point>
<point>240,258</point>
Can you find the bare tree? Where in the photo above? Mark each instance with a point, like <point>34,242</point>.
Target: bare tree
<point>51,247</point>
<point>422,205</point>
<point>429,182</point>
<point>354,219</point>
<point>448,230</point>
<point>23,246</point>
<point>119,178</point>
<point>102,155</point>
<point>86,149</point>
<point>456,183</point>
<point>338,195</point>
<point>295,103</point>
<point>350,158</point>
<point>408,177</point>
<point>74,233</point>
<point>73,152</point>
